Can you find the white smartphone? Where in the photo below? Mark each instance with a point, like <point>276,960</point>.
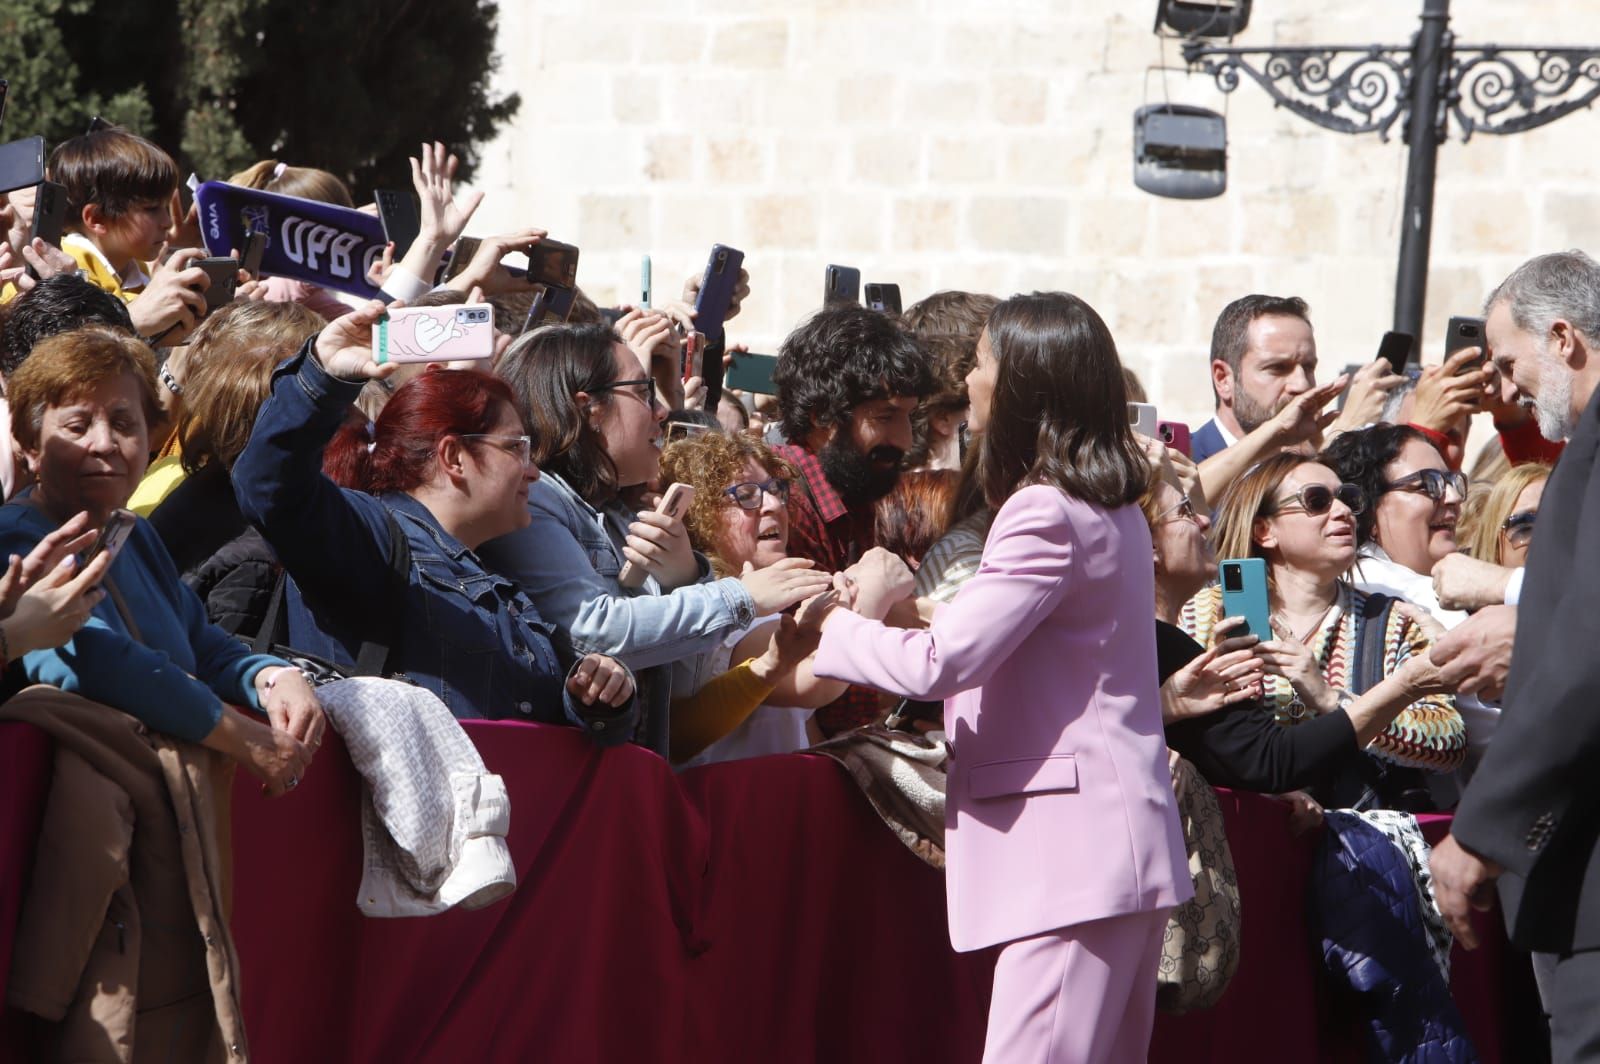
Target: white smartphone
<point>1142,416</point>
<point>675,503</point>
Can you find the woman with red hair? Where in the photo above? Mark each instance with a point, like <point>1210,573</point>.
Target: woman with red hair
<point>388,561</point>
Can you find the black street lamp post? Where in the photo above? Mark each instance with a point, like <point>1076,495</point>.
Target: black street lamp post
<point>1421,86</point>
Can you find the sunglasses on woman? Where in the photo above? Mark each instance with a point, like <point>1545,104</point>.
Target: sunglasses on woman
<point>1433,483</point>
<point>1519,527</point>
<point>1317,499</point>
<point>748,494</point>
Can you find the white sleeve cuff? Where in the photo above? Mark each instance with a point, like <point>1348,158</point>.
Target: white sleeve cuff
<point>404,285</point>
<point>1514,587</point>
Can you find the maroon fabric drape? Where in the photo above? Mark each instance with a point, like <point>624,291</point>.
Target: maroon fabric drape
<point>756,910</point>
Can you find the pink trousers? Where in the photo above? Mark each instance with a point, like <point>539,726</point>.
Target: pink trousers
<point>1084,994</point>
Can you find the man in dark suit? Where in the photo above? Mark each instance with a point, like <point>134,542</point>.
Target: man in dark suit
<point>1530,820</point>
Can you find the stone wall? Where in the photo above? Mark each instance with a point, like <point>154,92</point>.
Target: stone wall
<point>988,145</point>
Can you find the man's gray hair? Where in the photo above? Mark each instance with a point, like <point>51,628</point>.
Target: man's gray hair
<point>1563,284</point>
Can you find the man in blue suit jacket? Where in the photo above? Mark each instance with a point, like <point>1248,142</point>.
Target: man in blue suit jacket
<point>1263,355</point>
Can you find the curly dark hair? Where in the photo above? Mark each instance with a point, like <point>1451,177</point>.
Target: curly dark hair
<point>1359,458</point>
<point>842,357</point>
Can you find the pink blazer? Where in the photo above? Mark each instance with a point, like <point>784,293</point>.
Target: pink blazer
<point>1060,806</point>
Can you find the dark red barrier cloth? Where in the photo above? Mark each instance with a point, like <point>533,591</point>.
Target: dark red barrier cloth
<point>756,910</point>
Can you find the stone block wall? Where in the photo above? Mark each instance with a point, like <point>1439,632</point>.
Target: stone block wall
<point>988,145</point>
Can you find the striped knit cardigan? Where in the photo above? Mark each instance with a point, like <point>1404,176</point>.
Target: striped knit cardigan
<point>1428,734</point>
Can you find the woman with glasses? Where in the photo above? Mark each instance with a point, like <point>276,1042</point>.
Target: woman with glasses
<point>445,467</point>
<point>1410,525</point>
<point>1213,699</point>
<point>1502,528</point>
<point>740,520</point>
<point>596,422</point>
<point>1297,514</point>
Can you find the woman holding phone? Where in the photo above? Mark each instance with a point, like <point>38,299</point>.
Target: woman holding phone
<point>592,410</point>
<point>81,406</point>
<point>1295,512</point>
<point>1063,844</point>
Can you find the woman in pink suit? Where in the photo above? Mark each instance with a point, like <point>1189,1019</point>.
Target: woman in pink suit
<point>1062,841</point>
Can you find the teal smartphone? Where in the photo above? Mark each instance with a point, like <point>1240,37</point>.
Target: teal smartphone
<point>1244,594</point>
<point>751,373</point>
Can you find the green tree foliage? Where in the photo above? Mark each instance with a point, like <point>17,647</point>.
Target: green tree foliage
<point>349,87</point>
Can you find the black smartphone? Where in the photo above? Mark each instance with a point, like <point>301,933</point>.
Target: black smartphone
<point>751,373</point>
<point>255,245</point>
<point>5,89</point>
<point>552,305</point>
<point>884,297</point>
<point>1395,348</point>
<point>402,224</point>
<point>96,124</point>
<point>224,276</point>
<point>113,534</point>
<point>460,255</point>
<point>550,262</point>
<point>1463,332</point>
<point>21,163</point>
<point>716,290</point>
<point>841,284</point>
<point>49,215</point>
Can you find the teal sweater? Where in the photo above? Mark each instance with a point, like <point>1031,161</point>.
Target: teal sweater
<point>177,676</point>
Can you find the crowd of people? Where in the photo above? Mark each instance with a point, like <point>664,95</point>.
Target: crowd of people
<point>941,524</point>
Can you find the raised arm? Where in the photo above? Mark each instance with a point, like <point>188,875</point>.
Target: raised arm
<point>1027,566</point>
<point>330,540</point>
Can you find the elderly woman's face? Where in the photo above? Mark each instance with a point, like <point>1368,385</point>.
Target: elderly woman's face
<point>92,450</point>
<point>759,536</point>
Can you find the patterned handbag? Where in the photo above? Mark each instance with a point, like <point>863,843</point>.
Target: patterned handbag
<point>1200,949</point>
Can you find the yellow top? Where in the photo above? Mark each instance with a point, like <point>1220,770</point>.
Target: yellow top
<point>164,475</point>
<point>715,710</point>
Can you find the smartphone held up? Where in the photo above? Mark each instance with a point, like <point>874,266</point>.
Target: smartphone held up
<point>434,334</point>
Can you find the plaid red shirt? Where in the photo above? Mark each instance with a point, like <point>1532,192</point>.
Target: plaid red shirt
<point>824,529</point>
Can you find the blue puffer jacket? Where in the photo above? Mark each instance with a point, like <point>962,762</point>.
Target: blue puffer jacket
<point>1366,916</point>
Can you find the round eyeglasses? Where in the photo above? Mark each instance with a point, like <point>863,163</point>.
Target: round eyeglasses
<point>1317,499</point>
<point>748,494</point>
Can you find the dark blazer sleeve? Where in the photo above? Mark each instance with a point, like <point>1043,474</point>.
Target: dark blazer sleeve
<point>1242,746</point>
<point>1535,786</point>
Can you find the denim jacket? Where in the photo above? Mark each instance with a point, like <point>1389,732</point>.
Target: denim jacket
<point>467,635</point>
<point>568,559</point>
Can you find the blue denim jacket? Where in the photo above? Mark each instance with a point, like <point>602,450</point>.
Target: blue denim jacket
<point>468,635</point>
<point>567,560</point>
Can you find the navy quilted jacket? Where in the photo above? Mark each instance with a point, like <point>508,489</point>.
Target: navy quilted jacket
<point>1366,916</point>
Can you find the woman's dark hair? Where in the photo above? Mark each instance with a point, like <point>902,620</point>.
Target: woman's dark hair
<point>56,305</point>
<point>546,369</point>
<point>396,453</point>
<point>114,169</point>
<point>1359,458</point>
<point>840,358</point>
<point>1059,415</point>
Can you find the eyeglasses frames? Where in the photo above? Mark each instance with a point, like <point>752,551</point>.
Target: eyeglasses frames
<point>1317,499</point>
<point>748,494</point>
<point>521,446</point>
<point>1519,527</point>
<point>1433,483</point>
<point>1183,511</point>
<point>643,389</point>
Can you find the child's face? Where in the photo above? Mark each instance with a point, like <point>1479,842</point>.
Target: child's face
<point>138,234</point>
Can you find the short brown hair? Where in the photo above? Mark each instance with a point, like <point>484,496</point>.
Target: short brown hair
<point>1230,337</point>
<point>71,364</point>
<point>709,463</point>
<point>232,358</point>
<point>302,181</point>
<point>961,315</point>
<point>113,169</point>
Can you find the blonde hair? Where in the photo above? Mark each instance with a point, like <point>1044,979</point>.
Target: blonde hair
<point>1233,523</point>
<point>1480,529</point>
<point>304,182</point>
